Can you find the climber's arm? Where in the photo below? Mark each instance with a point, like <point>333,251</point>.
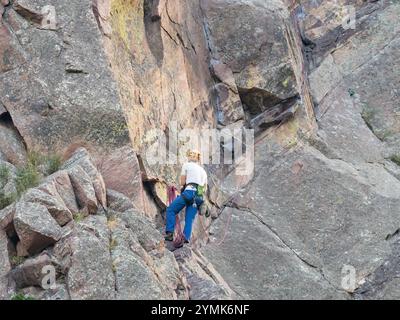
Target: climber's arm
<point>182,180</point>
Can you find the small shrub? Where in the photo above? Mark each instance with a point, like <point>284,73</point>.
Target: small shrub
<point>4,175</point>
<point>27,177</point>
<point>352,92</point>
<point>78,217</point>
<point>16,261</point>
<point>53,163</point>
<point>396,159</point>
<point>35,159</point>
<point>6,199</point>
<point>21,296</point>
<point>368,114</point>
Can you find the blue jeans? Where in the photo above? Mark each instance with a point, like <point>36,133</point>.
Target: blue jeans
<point>177,205</point>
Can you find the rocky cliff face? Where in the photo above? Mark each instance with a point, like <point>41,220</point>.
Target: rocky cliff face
<point>92,85</point>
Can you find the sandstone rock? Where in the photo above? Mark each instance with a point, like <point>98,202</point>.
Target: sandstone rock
<point>29,273</point>
<point>7,216</point>
<point>121,172</point>
<point>82,158</point>
<point>297,218</point>
<point>5,266</point>
<point>27,10</point>
<point>161,91</point>
<point>60,292</point>
<point>11,144</point>
<point>7,179</point>
<point>83,189</point>
<point>54,204</point>
<point>58,100</point>
<point>84,257</point>
<point>2,110</point>
<point>11,55</point>
<point>204,283</point>
<point>118,202</point>
<point>102,10</point>
<point>247,49</point>
<point>134,278</point>
<point>59,185</point>
<point>144,230</point>
<point>229,104</point>
<point>279,264</point>
<point>167,270</point>
<point>382,283</point>
<point>35,227</point>
<point>21,250</point>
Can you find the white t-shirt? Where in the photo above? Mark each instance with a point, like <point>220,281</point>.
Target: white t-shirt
<point>194,173</point>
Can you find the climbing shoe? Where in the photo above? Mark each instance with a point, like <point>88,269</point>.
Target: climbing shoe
<point>181,243</point>
<point>169,236</point>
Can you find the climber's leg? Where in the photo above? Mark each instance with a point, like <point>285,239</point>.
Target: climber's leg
<point>191,212</point>
<point>174,208</point>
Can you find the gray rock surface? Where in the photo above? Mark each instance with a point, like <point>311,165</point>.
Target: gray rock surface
<point>29,273</point>
<point>84,255</point>
<point>5,266</point>
<point>35,227</point>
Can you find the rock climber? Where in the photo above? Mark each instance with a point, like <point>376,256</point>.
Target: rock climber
<point>194,183</point>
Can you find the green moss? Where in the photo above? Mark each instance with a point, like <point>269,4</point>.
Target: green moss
<point>16,261</point>
<point>285,83</point>
<point>127,20</point>
<point>21,296</point>
<point>78,217</point>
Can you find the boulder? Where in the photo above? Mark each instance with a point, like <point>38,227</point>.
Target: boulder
<point>118,202</point>
<point>7,216</point>
<point>203,282</point>
<point>8,189</point>
<point>60,292</point>
<point>82,158</point>
<point>11,143</point>
<point>29,273</point>
<point>53,202</point>
<point>5,266</point>
<point>59,184</point>
<point>145,231</point>
<point>35,227</point>
<point>121,172</point>
<point>83,189</point>
<point>258,59</point>
<point>135,279</point>
<point>84,257</point>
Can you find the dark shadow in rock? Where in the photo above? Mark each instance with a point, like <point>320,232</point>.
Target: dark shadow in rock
<point>153,32</point>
